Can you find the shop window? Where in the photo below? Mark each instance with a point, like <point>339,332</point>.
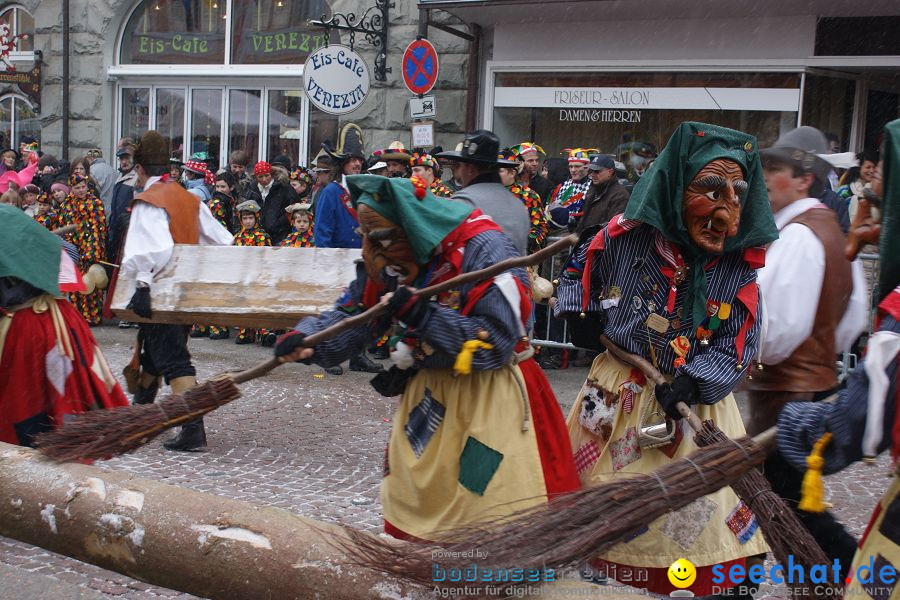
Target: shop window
<point>175,32</point>
<point>632,115</point>
<point>195,31</point>
<point>275,31</point>
<point>244,121</point>
<point>322,127</point>
<point>833,116</point>
<point>284,118</point>
<point>170,117</point>
<point>17,120</point>
<point>135,112</point>
<point>20,22</point>
<point>206,121</point>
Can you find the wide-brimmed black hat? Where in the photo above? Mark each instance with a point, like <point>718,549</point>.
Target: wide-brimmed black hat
<point>479,147</point>
<point>802,148</point>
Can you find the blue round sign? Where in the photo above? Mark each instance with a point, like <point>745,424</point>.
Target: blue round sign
<point>420,66</point>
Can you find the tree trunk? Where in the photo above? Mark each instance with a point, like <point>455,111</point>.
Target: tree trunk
<point>190,541</point>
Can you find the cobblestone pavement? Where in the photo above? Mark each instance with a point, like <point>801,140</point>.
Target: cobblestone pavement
<point>313,444</point>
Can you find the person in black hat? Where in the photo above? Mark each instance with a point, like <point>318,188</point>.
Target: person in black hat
<point>605,198</point>
<point>478,163</point>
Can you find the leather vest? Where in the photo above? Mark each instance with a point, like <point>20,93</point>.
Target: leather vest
<point>182,207</point>
<point>812,366</point>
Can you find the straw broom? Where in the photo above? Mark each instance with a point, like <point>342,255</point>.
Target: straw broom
<point>569,529</point>
<point>101,434</point>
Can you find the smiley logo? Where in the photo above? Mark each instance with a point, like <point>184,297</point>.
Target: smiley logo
<point>682,573</point>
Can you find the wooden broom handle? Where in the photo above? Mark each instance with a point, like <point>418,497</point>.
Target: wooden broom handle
<point>376,311</point>
<point>653,374</point>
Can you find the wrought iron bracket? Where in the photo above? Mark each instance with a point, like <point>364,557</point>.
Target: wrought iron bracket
<point>372,24</point>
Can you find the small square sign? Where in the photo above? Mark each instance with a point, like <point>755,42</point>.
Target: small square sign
<point>422,108</point>
<point>423,134</point>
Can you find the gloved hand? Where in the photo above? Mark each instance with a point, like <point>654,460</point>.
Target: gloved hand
<point>288,342</point>
<point>405,306</point>
<point>140,302</point>
<point>585,333</point>
<point>682,389</point>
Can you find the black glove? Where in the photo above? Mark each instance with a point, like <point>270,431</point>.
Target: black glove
<point>140,302</point>
<point>683,389</point>
<point>289,342</point>
<point>393,381</point>
<point>585,333</point>
<point>405,306</point>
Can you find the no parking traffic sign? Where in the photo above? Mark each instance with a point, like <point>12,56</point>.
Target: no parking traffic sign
<point>419,66</point>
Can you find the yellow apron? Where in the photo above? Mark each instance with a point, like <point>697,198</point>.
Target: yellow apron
<point>458,453</point>
<point>881,548</point>
<point>713,529</point>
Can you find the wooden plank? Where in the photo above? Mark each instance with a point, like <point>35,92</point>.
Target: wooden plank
<point>243,286</point>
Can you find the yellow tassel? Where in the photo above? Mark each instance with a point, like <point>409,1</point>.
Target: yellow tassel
<point>463,364</point>
<point>813,489</point>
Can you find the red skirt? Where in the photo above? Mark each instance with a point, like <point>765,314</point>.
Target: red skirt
<point>40,384</point>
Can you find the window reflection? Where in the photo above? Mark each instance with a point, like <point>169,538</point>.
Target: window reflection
<point>170,117</point>
<point>175,32</point>
<point>243,121</point>
<point>135,112</point>
<point>276,31</point>
<point>284,116</point>
<point>206,122</point>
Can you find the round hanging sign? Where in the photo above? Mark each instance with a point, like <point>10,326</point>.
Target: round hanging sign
<point>336,79</point>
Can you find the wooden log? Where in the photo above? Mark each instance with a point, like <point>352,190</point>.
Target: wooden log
<point>190,541</point>
<point>243,286</point>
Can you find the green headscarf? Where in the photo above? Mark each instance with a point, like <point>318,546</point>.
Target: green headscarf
<point>658,197</point>
<point>28,251</point>
<point>890,234</point>
<point>426,222</point>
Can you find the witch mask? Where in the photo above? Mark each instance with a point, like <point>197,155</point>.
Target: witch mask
<point>712,204</point>
<point>386,250</point>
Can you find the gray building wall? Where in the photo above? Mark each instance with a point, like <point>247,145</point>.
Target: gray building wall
<point>96,24</point>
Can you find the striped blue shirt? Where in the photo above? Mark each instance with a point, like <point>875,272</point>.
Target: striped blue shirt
<point>444,329</point>
<point>630,267</point>
<point>802,423</point>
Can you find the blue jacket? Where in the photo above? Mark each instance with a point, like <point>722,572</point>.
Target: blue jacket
<point>335,227</point>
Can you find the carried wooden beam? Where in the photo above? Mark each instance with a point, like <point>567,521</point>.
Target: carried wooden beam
<point>243,286</point>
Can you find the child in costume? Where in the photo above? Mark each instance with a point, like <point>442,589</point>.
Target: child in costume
<point>221,205</point>
<point>85,210</point>
<point>302,236</point>
<point>672,280</point>
<point>301,181</point>
<point>530,199</point>
<point>477,433</point>
<point>44,212</point>
<point>50,364</point>
<point>251,234</point>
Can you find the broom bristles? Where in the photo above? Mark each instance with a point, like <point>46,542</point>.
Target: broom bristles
<point>568,530</point>
<point>100,434</point>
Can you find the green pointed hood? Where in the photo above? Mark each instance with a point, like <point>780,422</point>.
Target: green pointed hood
<point>658,196</point>
<point>28,251</point>
<point>426,222</point>
<point>889,277</point>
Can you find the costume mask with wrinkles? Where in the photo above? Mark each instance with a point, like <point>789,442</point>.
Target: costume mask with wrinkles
<point>712,204</point>
<point>386,250</point>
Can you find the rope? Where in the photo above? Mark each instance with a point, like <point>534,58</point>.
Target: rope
<point>665,490</point>
<point>696,468</point>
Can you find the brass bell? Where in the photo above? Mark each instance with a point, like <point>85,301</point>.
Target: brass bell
<point>582,315</point>
<point>739,367</point>
<point>483,335</point>
<point>759,367</point>
<point>555,282</point>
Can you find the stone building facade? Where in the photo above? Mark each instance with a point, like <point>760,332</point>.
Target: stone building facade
<point>117,87</point>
